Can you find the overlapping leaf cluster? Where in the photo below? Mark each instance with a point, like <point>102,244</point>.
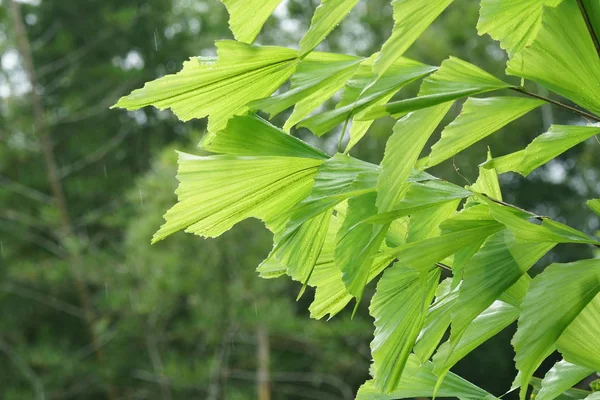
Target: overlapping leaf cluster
<point>340,223</point>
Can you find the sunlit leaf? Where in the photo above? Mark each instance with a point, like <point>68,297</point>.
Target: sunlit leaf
<point>437,321</point>
<point>487,182</point>
<point>571,394</point>
<point>562,57</point>
<point>401,153</point>
<point>513,22</point>
<point>594,205</point>
<point>419,381</point>
<point>399,308</point>
<point>337,179</point>
<point>331,295</point>
<point>361,94</point>
<point>479,118</point>
<point>548,231</point>
<point>495,268</point>
<point>318,77</point>
<point>425,223</point>
<point>457,233</point>
<point>542,149</point>
<point>300,250</point>
<point>358,243</point>
<point>569,288</point>
<point>327,16</point>
<point>561,377</point>
<point>218,88</point>
<point>411,18</point>
<point>580,342</point>
<point>251,135</point>
<point>216,192</point>
<point>246,17</point>
<point>271,268</point>
<point>423,196</point>
<point>454,79</point>
<point>494,319</point>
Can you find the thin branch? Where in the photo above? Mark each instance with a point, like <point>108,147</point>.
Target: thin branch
<point>155,357</point>
<point>45,37</point>
<point>583,113</point>
<point>24,219</point>
<point>42,298</point>
<point>589,25</point>
<point>32,238</point>
<point>94,157</point>
<point>73,56</point>
<point>24,190</point>
<point>26,370</point>
<point>148,376</point>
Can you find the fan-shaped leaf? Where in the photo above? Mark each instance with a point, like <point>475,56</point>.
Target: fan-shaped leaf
<point>360,93</point>
<point>490,322</point>
<point>299,251</point>
<point>487,182</point>
<point>246,17</point>
<point>453,80</point>
<point>561,377</point>
<point>456,234</point>
<point>401,153</point>
<point>218,89</point>
<point>217,192</point>
<point>594,205</point>
<point>495,268</point>
<point>423,196</point>
<point>251,135</point>
<point>513,22</point>
<point>419,381</point>
<point>327,16</point>
<point>318,77</point>
<point>580,342</point>
<point>331,295</point>
<point>399,308</point>
<point>571,394</point>
<point>479,118</point>
<point>358,243</point>
<point>575,284</point>
<point>542,149</point>
<point>524,231</point>
<point>436,322</point>
<point>411,18</point>
<point>337,179</point>
<point>562,57</point>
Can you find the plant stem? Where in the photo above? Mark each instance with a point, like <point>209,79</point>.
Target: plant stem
<point>583,113</point>
<point>443,266</point>
<point>502,203</point>
<point>590,27</point>
<point>342,134</point>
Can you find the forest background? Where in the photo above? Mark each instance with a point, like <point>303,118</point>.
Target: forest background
<point>88,309</point>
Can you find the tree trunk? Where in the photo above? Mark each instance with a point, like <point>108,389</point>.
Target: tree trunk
<point>262,373</point>
<point>66,234</point>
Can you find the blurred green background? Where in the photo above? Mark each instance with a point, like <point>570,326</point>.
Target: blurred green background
<point>89,310</point>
